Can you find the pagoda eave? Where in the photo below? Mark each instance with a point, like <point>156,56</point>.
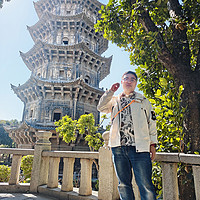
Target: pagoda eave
<point>39,4</point>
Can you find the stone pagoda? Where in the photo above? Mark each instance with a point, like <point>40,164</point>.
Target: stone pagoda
<point>66,67</point>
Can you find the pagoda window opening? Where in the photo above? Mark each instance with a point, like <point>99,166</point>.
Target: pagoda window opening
<point>34,97</point>
<point>53,51</point>
<point>58,23</point>
<point>87,79</point>
<point>61,52</point>
<point>57,88</point>
<point>65,41</point>
<point>47,88</point>
<point>31,113</point>
<point>70,52</point>
<point>57,114</point>
<point>61,73</point>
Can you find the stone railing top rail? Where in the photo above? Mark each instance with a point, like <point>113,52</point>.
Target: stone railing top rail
<point>160,157</point>
<point>17,151</point>
<point>178,157</point>
<point>72,154</point>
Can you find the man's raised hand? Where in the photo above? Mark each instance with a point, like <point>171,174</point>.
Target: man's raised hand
<point>115,87</point>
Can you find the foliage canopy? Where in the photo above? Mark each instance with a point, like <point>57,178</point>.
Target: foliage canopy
<point>69,129</point>
<point>163,38</point>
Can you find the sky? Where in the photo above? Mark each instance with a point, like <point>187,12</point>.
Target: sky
<point>15,16</point>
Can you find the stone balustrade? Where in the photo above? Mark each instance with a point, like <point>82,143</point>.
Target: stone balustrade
<point>46,168</point>
<point>13,184</point>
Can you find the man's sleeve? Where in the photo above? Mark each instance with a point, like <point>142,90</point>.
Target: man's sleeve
<point>105,102</point>
<point>151,123</point>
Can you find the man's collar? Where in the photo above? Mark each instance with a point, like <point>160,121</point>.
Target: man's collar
<point>128,95</point>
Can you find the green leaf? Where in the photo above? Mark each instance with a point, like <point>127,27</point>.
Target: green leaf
<point>163,82</point>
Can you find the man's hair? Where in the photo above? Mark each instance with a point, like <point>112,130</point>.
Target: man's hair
<point>130,72</point>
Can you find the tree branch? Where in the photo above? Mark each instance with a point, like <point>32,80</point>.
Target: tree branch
<point>177,67</point>
<point>180,43</point>
<point>167,59</point>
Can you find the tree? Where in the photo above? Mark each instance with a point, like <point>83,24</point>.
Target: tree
<point>26,166</point>
<point>4,137</point>
<point>68,129</point>
<point>5,172</point>
<point>163,38</point>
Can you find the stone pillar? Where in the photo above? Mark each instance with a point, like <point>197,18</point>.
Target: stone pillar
<point>53,172</point>
<point>67,182</point>
<point>170,181</point>
<point>86,177</point>
<point>107,178</point>
<point>15,169</point>
<point>39,175</point>
<point>196,174</point>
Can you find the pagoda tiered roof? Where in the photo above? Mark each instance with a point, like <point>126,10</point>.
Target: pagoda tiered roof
<point>42,6</point>
<point>42,53</point>
<point>49,22</point>
<point>36,88</point>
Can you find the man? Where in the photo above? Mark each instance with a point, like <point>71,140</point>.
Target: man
<point>132,138</point>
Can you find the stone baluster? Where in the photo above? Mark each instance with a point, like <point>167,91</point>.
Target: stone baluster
<point>67,182</point>
<point>39,175</point>
<point>170,181</point>
<point>107,178</point>
<point>15,170</point>
<point>86,177</point>
<point>196,174</point>
<point>53,172</point>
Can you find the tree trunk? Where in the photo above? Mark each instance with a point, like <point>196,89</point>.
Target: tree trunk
<point>186,185</point>
<point>191,99</point>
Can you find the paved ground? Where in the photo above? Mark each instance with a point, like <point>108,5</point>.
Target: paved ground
<point>25,196</point>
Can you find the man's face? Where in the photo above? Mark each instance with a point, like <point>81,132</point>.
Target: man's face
<point>129,83</point>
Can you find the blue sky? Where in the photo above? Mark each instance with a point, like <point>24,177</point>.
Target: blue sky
<point>14,37</point>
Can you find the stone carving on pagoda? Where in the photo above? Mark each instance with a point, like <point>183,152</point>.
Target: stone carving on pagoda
<point>66,67</point>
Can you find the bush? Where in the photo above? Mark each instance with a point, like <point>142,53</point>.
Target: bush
<point>26,166</point>
<point>4,173</point>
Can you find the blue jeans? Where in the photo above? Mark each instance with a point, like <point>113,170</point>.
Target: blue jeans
<point>125,158</point>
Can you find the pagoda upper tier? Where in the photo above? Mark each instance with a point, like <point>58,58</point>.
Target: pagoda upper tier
<point>56,62</point>
<point>68,30</point>
<point>36,89</point>
<point>69,7</point>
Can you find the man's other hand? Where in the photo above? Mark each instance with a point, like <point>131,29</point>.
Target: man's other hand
<point>152,152</point>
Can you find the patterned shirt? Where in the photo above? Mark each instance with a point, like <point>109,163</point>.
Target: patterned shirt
<point>127,128</point>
